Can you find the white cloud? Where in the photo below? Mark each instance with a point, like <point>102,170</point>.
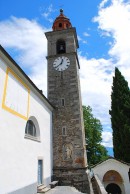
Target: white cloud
<point>107,139</point>
<point>114,21</point>
<point>96,80</point>
<point>86,34</point>
<point>79,38</point>
<point>102,4</point>
<point>82,40</point>
<point>28,39</point>
<point>47,13</point>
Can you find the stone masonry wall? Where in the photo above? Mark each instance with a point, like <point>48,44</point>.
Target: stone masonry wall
<point>69,151</point>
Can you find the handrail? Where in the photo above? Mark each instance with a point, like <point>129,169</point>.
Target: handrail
<point>99,186</point>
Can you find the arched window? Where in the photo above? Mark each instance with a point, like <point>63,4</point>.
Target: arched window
<point>60,25</point>
<point>61,46</point>
<point>32,130</point>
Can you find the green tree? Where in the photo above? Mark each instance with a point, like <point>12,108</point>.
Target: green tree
<point>93,132</point>
<point>120,117</point>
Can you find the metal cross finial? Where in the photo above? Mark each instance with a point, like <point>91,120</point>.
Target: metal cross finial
<point>61,8</point>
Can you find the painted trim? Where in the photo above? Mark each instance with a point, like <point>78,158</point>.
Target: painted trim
<point>8,70</point>
<point>8,59</point>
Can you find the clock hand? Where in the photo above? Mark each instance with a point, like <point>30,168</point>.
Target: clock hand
<point>60,63</point>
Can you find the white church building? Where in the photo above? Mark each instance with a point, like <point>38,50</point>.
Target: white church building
<point>25,131</point>
<point>42,140</point>
<point>35,133</point>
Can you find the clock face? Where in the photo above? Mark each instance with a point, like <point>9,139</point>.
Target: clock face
<point>61,63</point>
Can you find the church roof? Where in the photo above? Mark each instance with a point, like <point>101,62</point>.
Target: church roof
<point>61,22</point>
<point>26,77</point>
<point>111,158</point>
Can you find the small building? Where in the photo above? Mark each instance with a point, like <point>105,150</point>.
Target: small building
<point>25,131</point>
<point>114,175</point>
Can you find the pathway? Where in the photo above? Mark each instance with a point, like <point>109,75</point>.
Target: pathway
<point>64,190</point>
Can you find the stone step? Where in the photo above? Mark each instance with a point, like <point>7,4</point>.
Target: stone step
<point>53,184</point>
<point>42,189</point>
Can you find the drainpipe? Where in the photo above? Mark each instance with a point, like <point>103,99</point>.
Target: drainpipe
<point>129,174</point>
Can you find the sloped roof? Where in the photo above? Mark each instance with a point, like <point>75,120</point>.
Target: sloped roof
<point>128,164</point>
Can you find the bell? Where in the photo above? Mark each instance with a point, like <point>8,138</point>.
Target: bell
<point>61,48</point>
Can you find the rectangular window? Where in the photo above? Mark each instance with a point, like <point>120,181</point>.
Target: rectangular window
<point>63,130</point>
<point>62,102</point>
<point>40,172</point>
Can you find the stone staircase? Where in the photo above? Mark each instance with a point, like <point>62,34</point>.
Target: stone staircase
<point>43,189</point>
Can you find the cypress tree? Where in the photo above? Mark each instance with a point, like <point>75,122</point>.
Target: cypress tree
<point>120,117</point>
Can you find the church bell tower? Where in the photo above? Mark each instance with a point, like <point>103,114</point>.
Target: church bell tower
<point>69,150</point>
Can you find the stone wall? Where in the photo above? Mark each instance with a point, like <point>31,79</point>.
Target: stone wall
<point>69,150</point>
<point>76,177</point>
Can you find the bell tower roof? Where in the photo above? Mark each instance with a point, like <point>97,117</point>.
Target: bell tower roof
<point>61,22</point>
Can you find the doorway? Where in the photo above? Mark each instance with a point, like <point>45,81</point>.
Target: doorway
<point>40,172</point>
<point>113,189</point>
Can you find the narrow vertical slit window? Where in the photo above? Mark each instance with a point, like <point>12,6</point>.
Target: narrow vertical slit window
<point>62,102</point>
<point>64,130</point>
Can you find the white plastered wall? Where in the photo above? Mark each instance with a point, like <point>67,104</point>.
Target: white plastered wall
<point>112,164</point>
<point>19,155</point>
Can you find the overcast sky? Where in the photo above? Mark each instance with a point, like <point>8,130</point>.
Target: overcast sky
<point>103,29</point>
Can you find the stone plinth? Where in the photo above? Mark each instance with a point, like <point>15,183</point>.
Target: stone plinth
<point>76,177</point>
